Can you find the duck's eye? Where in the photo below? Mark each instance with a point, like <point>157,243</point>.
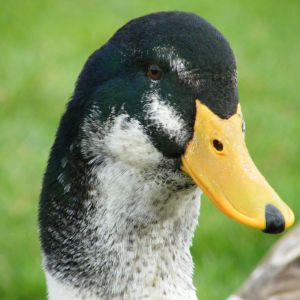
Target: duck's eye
<point>218,145</point>
<point>244,126</point>
<point>154,72</point>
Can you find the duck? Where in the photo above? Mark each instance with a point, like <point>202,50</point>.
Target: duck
<point>154,121</point>
<point>277,276</point>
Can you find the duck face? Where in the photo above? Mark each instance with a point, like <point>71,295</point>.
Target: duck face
<point>163,91</point>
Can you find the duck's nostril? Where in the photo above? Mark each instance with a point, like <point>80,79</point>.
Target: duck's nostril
<point>218,145</point>
<point>275,222</point>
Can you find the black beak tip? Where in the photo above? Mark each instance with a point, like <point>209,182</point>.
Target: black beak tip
<point>275,222</point>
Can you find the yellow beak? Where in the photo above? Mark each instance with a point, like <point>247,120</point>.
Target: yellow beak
<point>218,161</point>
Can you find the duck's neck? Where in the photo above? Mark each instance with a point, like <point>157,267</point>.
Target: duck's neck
<point>132,241</point>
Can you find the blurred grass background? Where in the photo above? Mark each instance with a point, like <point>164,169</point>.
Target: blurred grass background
<point>43,45</point>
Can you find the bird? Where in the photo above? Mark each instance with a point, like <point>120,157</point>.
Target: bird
<point>154,121</point>
<point>277,276</point>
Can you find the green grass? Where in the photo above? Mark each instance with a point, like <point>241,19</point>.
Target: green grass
<point>43,45</point>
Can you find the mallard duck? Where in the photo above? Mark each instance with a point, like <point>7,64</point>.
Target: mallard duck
<point>154,120</point>
<point>277,277</point>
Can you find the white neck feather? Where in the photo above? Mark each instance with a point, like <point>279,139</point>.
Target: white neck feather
<point>147,244</point>
<point>144,224</point>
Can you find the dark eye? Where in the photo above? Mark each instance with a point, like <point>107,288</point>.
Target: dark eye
<point>218,145</point>
<point>154,72</point>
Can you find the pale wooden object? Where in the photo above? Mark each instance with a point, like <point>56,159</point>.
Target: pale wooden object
<point>277,277</point>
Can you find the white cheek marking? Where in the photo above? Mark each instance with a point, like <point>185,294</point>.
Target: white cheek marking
<point>120,137</point>
<point>164,116</point>
<point>127,141</point>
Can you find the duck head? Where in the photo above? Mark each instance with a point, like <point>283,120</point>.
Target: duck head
<point>163,92</point>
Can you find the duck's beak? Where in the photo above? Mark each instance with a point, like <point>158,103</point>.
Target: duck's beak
<point>218,161</point>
